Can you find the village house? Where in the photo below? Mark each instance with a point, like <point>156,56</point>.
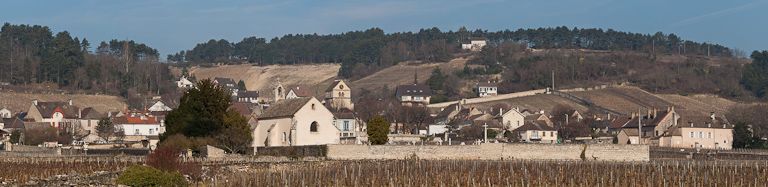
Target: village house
<point>474,44</point>
<point>350,130</point>
<point>339,95</point>
<point>298,92</point>
<point>247,97</point>
<point>646,128</point>
<point>511,119</point>
<point>140,127</point>
<point>183,82</point>
<point>707,133</point>
<point>536,132</point>
<point>414,94</point>
<point>88,121</point>
<point>5,113</point>
<point>57,114</point>
<point>485,89</point>
<point>295,122</point>
<point>227,83</point>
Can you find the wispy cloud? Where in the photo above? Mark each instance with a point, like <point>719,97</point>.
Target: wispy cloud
<point>723,12</point>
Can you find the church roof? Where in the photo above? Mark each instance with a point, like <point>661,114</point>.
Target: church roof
<point>284,108</point>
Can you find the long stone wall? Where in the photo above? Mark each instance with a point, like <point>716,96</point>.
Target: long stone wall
<point>610,152</point>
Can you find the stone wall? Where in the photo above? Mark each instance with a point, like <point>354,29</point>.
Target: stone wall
<point>492,152</point>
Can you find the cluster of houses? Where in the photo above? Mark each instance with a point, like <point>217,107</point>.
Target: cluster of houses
<point>139,128</point>
<point>294,116</point>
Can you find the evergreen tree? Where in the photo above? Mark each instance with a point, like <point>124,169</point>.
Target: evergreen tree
<point>378,129</point>
<point>241,85</point>
<point>755,75</point>
<point>201,111</point>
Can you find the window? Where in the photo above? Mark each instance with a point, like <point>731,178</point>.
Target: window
<point>151,131</point>
<point>551,134</point>
<point>313,126</point>
<point>285,137</point>
<point>691,134</point>
<point>701,134</point>
<point>341,86</point>
<point>709,135</point>
<point>136,132</point>
<point>346,126</point>
<point>313,106</point>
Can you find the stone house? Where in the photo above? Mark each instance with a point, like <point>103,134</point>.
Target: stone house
<point>647,128</point>
<point>294,122</point>
<point>536,132</point>
<point>414,94</point>
<point>511,119</point>
<point>57,114</point>
<point>299,92</point>
<point>707,133</point>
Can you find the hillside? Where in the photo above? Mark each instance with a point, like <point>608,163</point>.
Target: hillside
<point>403,73</point>
<point>261,78</point>
<point>20,102</point>
<point>623,99</point>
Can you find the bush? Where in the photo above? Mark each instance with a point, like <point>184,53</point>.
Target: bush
<point>378,129</point>
<point>165,159</point>
<point>148,176</point>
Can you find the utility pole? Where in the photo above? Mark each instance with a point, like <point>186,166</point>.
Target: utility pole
<point>639,126</point>
<point>553,80</point>
<point>485,132</point>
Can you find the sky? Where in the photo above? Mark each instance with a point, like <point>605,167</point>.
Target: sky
<point>174,25</point>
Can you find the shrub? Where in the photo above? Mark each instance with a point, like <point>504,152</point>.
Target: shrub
<point>378,129</point>
<point>164,158</point>
<point>148,176</point>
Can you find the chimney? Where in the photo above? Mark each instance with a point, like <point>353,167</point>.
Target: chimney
<point>709,125</point>
<point>80,113</point>
<point>541,112</point>
<point>690,123</point>
<point>712,115</point>
<point>501,111</point>
<point>609,116</point>
<point>655,112</point>
<point>34,102</point>
<point>70,102</point>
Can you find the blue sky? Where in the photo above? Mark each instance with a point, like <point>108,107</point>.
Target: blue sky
<point>175,25</point>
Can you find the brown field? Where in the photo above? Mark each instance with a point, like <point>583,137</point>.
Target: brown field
<point>261,77</point>
<point>18,102</point>
<point>403,73</point>
<point>502,173</point>
<point>535,103</point>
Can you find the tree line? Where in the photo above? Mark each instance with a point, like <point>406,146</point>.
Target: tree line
<point>33,54</point>
<point>363,52</point>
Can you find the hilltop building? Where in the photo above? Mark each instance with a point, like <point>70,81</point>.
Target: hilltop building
<point>474,44</point>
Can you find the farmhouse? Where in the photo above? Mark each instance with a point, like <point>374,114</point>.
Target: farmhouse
<point>414,94</point>
<point>140,127</point>
<point>645,129</point>
<point>708,133</point>
<point>511,119</point>
<point>292,122</point>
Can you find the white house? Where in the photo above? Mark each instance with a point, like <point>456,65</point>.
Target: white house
<point>485,89</point>
<point>349,129</point>
<point>5,113</point>
<point>227,83</point>
<point>475,44</point>
<point>414,94</point>
<point>536,132</point>
<point>512,119</point>
<point>140,127</point>
<point>183,82</point>
<point>295,122</point>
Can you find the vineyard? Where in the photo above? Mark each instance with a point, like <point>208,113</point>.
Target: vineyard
<point>411,172</point>
<point>503,173</point>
